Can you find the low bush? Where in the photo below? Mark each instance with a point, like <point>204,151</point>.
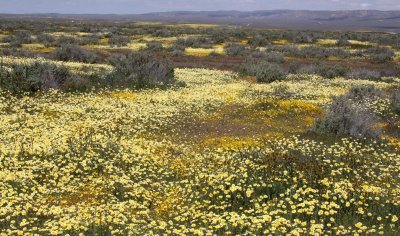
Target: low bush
<point>258,41</point>
<point>219,37</point>
<point>237,50</point>
<point>380,54</point>
<point>274,57</point>
<point>119,41</point>
<point>45,39</point>
<point>194,42</point>
<point>154,46</point>
<point>331,71</point>
<point>282,91</point>
<point>342,42</point>
<point>20,53</point>
<point>74,53</point>
<point>396,100</point>
<point>304,37</point>
<point>164,33</point>
<point>64,40</point>
<point>141,71</point>
<point>347,116</point>
<point>364,74</point>
<point>267,73</point>
<point>19,38</point>
<point>361,92</point>
<point>34,77</point>
<point>317,52</point>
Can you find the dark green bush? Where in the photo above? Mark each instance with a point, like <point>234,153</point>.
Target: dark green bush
<point>347,116</point>
<point>162,33</point>
<point>361,92</point>
<point>19,38</point>
<point>396,100</point>
<point>267,73</point>
<point>64,40</point>
<point>342,42</point>
<point>154,46</point>
<point>319,52</point>
<point>74,53</point>
<point>380,54</point>
<point>194,42</point>
<point>304,37</point>
<point>33,77</point>
<point>45,39</point>
<point>119,41</point>
<point>141,71</point>
<point>331,71</point>
<point>274,57</point>
<point>258,41</point>
<point>237,50</point>
<point>364,74</point>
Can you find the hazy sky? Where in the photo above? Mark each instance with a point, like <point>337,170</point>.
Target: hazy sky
<point>142,6</point>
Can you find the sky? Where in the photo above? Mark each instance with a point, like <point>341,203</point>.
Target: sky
<point>144,6</point>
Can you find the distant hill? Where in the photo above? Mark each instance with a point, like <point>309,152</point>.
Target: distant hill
<point>368,20</point>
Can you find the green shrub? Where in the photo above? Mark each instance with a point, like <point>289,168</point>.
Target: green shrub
<point>64,40</point>
<point>268,73</point>
<point>361,92</point>
<point>342,42</point>
<point>154,46</point>
<point>347,116</point>
<point>19,38</point>
<point>258,41</point>
<point>74,53</point>
<point>236,50</point>
<point>34,77</point>
<point>164,33</point>
<point>141,71</point>
<point>304,37</point>
<point>364,74</point>
<point>45,39</point>
<point>396,100</point>
<point>119,41</point>
<point>380,54</point>
<point>194,42</point>
<point>331,71</point>
<point>274,57</point>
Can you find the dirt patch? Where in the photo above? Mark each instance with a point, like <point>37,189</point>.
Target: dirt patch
<point>265,118</point>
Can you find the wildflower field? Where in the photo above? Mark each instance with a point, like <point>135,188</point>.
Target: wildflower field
<point>216,153</point>
<point>219,156</point>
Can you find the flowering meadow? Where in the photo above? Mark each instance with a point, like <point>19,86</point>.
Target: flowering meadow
<point>219,156</point>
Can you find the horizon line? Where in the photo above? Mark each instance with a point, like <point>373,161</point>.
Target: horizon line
<point>124,14</point>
